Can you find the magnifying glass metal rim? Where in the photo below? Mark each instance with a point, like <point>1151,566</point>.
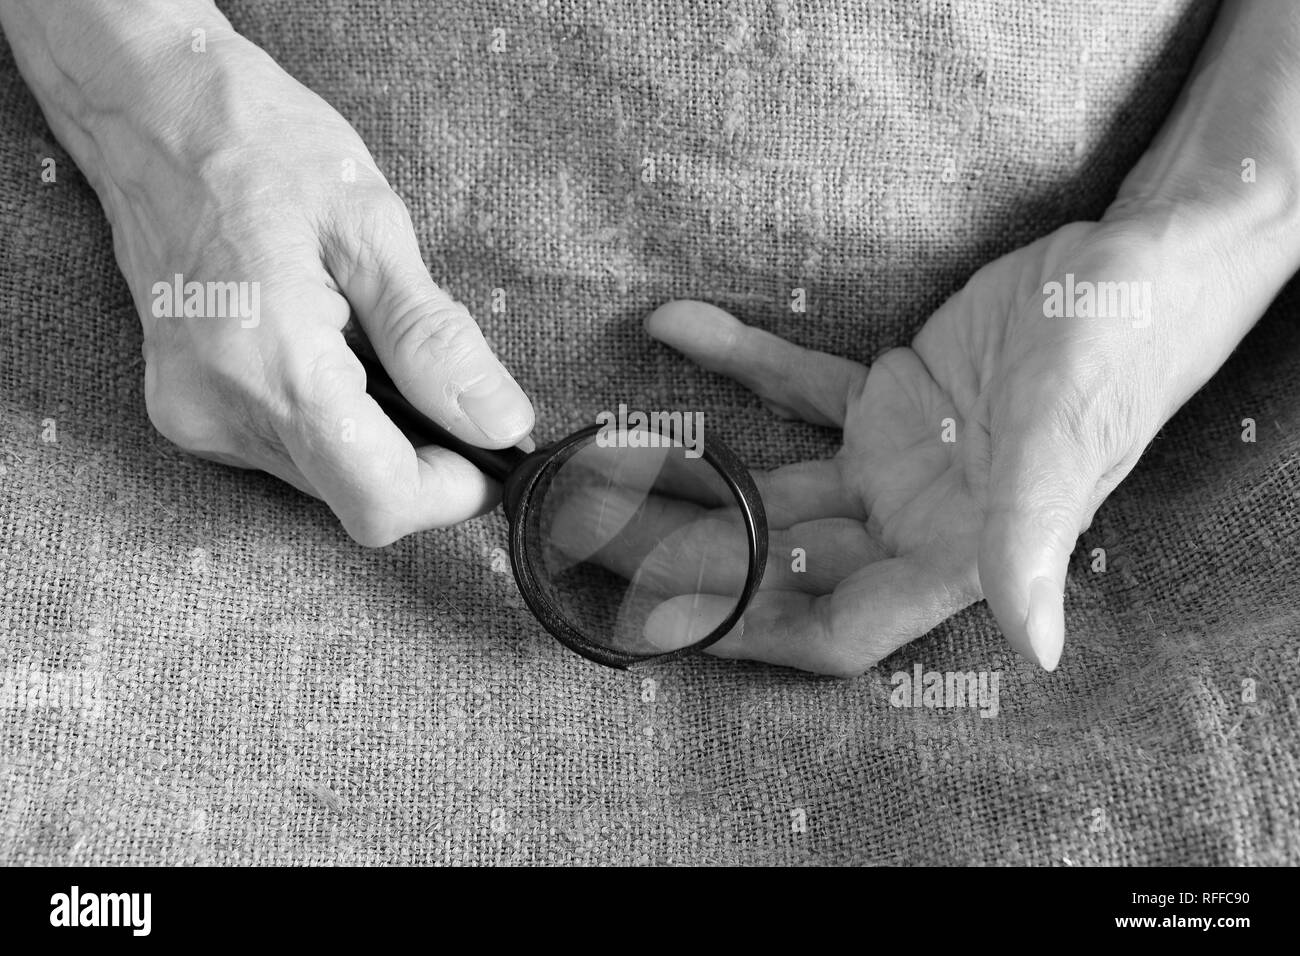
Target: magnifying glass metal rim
<point>519,474</point>
<point>739,481</point>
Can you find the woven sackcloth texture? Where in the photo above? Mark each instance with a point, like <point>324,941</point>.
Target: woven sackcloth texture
<point>200,667</point>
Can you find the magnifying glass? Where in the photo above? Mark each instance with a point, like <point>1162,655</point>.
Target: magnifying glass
<point>633,540</point>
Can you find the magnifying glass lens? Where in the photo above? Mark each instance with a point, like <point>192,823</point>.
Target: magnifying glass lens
<point>637,541</point>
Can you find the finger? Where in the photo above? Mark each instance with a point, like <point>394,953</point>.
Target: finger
<point>813,557</point>
<point>869,615</point>
<point>666,470</point>
<point>793,381</point>
<point>669,553</point>
<point>792,493</point>
<point>341,441</point>
<point>712,554</point>
<point>659,545</point>
<point>806,491</point>
<point>618,528</point>
<point>1041,489</point>
<point>427,341</point>
<point>817,556</point>
<point>668,545</point>
<point>686,619</point>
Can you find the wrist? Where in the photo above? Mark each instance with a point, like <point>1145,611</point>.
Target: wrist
<point>1216,265</point>
<point>124,86</point>
<point>1251,226</point>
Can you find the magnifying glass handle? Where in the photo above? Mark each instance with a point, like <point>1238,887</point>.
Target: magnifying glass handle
<point>495,463</point>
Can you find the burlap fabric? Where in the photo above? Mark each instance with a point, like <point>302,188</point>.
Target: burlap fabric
<point>200,667</point>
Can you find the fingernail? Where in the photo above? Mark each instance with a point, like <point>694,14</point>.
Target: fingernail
<point>526,444</point>
<point>1045,623</point>
<point>497,406</point>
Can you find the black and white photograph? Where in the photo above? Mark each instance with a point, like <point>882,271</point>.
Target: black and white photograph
<point>672,433</point>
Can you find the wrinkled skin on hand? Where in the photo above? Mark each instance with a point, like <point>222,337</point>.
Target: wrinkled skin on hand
<point>903,529</point>
<point>267,184</point>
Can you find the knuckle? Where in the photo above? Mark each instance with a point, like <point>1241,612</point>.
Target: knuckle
<point>1057,525</point>
<point>382,209</point>
<point>178,421</point>
<point>230,369</point>
<point>388,213</point>
<point>384,223</point>
<point>315,380</point>
<point>375,523</point>
<point>379,513</point>
<point>1054,517</point>
<point>364,235</point>
<point>440,332</point>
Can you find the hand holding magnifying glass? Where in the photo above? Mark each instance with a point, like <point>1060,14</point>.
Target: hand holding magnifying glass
<point>629,541</point>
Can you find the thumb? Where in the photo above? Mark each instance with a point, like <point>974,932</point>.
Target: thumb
<point>427,341</point>
<point>1042,485</point>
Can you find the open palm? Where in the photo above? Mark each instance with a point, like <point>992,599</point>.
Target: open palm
<point>971,461</point>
